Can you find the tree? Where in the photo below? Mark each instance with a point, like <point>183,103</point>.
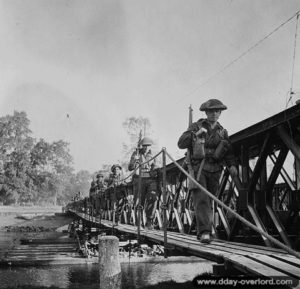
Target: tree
<point>15,146</point>
<point>35,171</point>
<point>79,182</point>
<point>51,167</point>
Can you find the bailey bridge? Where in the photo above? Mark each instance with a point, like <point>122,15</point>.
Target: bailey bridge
<point>256,214</point>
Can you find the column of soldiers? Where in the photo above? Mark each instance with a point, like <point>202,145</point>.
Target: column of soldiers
<point>112,193</point>
<point>209,151</point>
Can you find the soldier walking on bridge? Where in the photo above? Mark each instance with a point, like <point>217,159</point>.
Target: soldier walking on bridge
<point>210,150</point>
<point>100,190</point>
<point>149,185</point>
<point>117,190</point>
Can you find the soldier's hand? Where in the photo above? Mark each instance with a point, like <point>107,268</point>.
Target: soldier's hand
<point>202,130</point>
<point>233,171</point>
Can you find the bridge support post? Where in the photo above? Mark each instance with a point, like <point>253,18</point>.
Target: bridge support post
<point>109,264</point>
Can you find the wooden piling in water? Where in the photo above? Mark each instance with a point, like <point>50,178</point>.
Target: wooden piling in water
<point>109,263</point>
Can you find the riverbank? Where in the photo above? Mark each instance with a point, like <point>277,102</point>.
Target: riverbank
<point>31,216</point>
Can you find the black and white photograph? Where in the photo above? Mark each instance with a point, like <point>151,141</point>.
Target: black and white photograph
<point>149,144</point>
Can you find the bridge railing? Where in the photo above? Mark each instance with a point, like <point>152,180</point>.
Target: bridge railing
<point>246,201</point>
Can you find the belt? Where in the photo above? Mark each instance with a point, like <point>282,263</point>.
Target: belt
<point>145,174</point>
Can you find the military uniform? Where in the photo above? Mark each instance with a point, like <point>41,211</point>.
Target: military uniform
<point>93,188</point>
<point>100,194</point>
<point>207,166</point>
<point>149,184</point>
<point>116,191</point>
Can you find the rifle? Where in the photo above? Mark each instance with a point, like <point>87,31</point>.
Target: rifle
<point>139,142</point>
<point>137,149</point>
<point>188,153</point>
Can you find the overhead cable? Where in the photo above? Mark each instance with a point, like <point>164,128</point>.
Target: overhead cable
<point>244,53</point>
<point>291,93</point>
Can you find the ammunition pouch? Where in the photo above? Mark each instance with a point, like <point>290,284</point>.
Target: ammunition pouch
<point>153,174</point>
<point>221,150</point>
<point>199,149</point>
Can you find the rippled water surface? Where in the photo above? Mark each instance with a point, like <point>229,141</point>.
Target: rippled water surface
<point>135,275</point>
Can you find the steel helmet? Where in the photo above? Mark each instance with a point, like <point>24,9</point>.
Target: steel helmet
<point>212,104</point>
<point>146,141</point>
<point>115,166</point>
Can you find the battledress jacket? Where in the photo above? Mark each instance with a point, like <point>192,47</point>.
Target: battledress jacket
<point>213,137</point>
<point>146,168</point>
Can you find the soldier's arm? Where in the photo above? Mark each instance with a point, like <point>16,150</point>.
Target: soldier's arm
<point>133,162</point>
<point>185,141</point>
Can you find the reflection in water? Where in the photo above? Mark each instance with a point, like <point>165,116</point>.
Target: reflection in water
<point>135,275</point>
<point>44,276</point>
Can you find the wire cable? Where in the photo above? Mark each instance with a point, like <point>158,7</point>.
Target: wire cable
<point>243,54</point>
<point>291,93</point>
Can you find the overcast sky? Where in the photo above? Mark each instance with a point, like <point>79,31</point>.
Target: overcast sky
<point>79,68</point>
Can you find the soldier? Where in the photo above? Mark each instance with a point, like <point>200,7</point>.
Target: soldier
<point>117,191</point>
<point>210,149</point>
<point>100,189</point>
<point>149,186</point>
<point>93,188</point>
<point>92,196</point>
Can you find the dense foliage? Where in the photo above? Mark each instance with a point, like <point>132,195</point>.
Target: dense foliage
<point>38,172</point>
<point>34,171</point>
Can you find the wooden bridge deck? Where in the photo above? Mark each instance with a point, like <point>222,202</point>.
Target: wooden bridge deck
<point>249,259</point>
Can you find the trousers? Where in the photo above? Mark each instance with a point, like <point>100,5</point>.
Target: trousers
<point>149,195</point>
<point>202,203</point>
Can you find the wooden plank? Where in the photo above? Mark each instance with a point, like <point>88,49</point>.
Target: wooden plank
<point>44,246</point>
<point>282,256</point>
<point>250,266</point>
<point>52,257</point>
<point>242,247</point>
<point>211,252</point>
<point>46,262</point>
<point>288,259</point>
<point>272,262</point>
<point>204,249</point>
<point>41,252</point>
<point>241,262</point>
<point>276,264</point>
<point>224,247</point>
<point>237,250</point>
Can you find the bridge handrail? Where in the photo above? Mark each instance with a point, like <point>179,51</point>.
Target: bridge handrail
<point>147,161</point>
<point>239,217</point>
<point>210,195</point>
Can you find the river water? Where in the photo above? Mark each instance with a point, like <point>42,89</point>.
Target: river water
<point>134,275</point>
